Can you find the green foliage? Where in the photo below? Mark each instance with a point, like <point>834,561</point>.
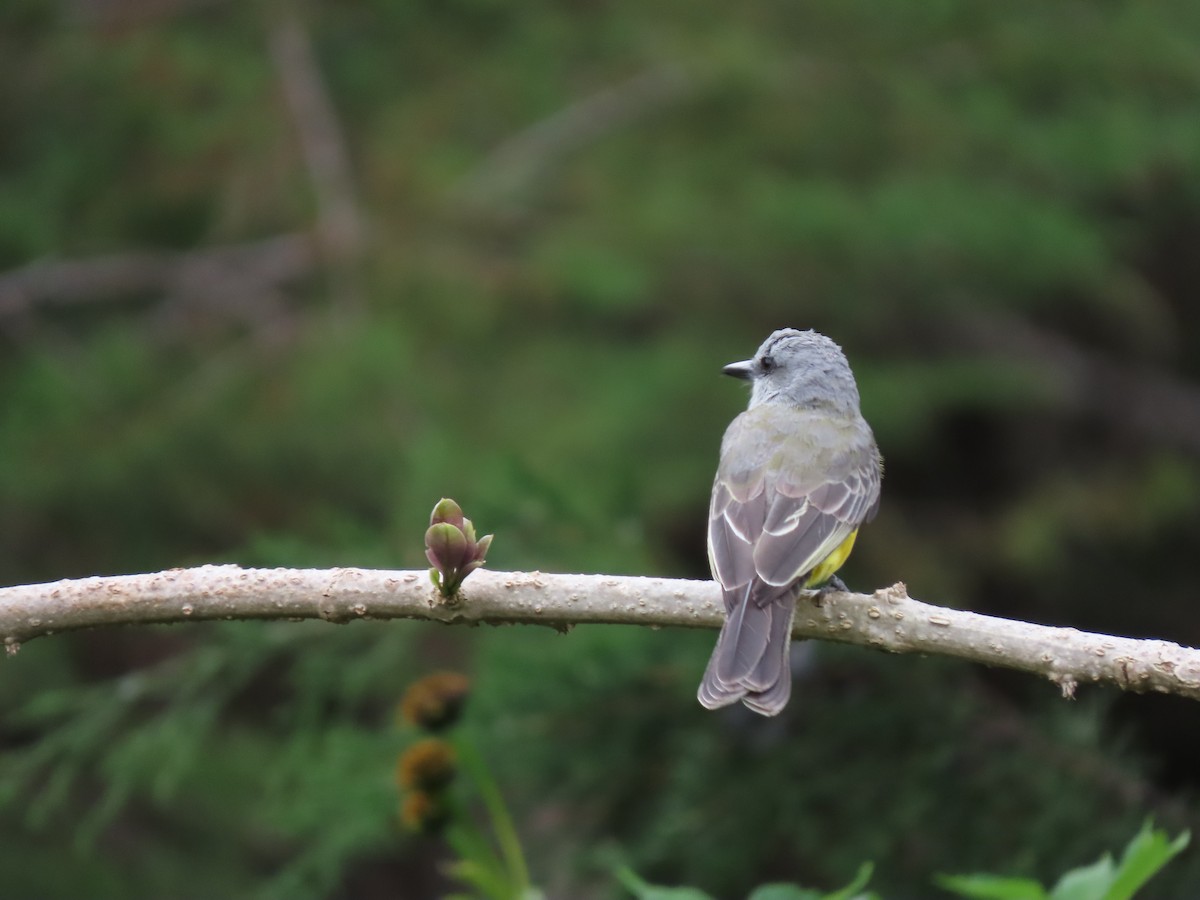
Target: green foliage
<point>488,857</point>
<point>955,191</point>
<point>1145,855</point>
<point>853,891</point>
<point>644,891</point>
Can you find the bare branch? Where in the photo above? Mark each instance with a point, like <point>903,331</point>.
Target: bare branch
<point>129,13</point>
<point>340,223</point>
<point>232,273</point>
<point>268,262</point>
<point>886,620</point>
<point>530,154</point>
<point>1127,395</point>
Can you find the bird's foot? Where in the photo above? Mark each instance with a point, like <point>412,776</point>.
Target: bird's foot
<point>834,585</point>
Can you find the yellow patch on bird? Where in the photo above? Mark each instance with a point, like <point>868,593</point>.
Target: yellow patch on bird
<point>832,562</point>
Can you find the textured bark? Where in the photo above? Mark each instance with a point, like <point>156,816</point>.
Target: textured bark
<point>886,620</point>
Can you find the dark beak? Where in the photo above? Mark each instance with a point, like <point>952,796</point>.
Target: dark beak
<point>743,369</point>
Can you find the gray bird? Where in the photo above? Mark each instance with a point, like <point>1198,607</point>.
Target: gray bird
<point>799,473</point>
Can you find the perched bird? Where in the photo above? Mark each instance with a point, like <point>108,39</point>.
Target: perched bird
<point>799,473</point>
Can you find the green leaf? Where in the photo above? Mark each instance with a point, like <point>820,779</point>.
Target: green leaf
<point>446,511</point>
<point>448,546</point>
<point>1087,882</point>
<point>488,883</point>
<point>644,891</point>
<point>992,887</point>
<point>1145,855</point>
<point>853,891</point>
<point>784,892</point>
<point>482,545</point>
<point>477,863</point>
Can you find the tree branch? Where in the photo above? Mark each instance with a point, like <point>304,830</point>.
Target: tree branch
<point>269,261</point>
<point>521,160</point>
<point>1126,395</point>
<point>340,222</point>
<point>886,620</point>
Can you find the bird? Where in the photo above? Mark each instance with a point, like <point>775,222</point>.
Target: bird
<point>799,473</point>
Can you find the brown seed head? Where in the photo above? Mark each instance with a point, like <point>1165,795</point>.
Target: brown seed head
<point>428,765</point>
<point>423,812</point>
<point>435,701</point>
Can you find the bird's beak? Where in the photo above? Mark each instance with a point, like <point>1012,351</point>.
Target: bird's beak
<point>743,369</point>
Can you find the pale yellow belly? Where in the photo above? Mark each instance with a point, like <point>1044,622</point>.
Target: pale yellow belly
<point>832,562</point>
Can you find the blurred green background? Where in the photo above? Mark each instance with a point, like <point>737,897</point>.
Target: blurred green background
<point>274,278</point>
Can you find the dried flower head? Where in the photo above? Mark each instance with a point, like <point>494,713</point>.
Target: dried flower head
<point>435,701</point>
<point>424,812</point>
<point>428,765</point>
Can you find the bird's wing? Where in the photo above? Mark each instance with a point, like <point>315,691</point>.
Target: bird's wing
<point>791,487</point>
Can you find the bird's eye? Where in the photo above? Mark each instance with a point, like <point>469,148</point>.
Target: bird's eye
<point>767,363</point>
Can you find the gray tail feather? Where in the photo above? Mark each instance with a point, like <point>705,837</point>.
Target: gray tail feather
<point>713,694</point>
<point>774,665</point>
<point>743,639</point>
<point>750,661</point>
<point>771,681</point>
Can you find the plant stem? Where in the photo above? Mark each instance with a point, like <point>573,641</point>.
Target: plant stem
<point>502,823</point>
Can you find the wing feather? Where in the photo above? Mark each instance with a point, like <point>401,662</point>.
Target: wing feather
<point>792,485</point>
<point>732,528</point>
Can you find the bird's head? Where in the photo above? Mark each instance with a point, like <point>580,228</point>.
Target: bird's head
<point>802,368</point>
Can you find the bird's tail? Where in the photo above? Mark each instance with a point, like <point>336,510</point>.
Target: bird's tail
<point>750,661</point>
